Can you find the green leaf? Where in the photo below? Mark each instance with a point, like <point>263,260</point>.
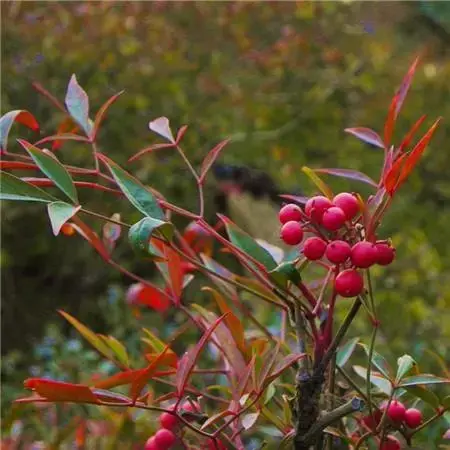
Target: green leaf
<point>77,103</point>
<point>59,213</point>
<point>140,197</point>
<point>285,272</point>
<point>376,379</point>
<point>323,187</point>
<point>424,394</point>
<point>51,167</point>
<point>248,245</point>
<point>404,364</point>
<point>156,343</point>
<point>117,348</point>
<point>13,188</point>
<point>423,379</point>
<point>141,232</point>
<point>378,361</point>
<point>344,352</point>
<point>6,121</point>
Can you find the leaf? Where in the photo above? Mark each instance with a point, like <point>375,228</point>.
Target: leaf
<point>119,379</point>
<point>295,198</point>
<point>181,133</point>
<point>284,364</point>
<point>350,174</point>
<point>13,188</point>
<point>248,420</point>
<point>101,113</point>
<point>66,126</point>
<point>345,351</point>
<point>149,296</point>
<point>62,137</point>
<point>150,149</point>
<point>247,244</point>
<point>378,361</point>
<point>211,157</point>
<point>157,344</point>
<point>408,138</point>
<point>51,167</point>
<point>77,103</point>
<point>6,121</point>
<point>161,127</point>
<point>424,394</point>
<point>418,380</point>
<point>323,187</point>
<point>140,233</point>
<point>140,197</point>
<point>404,364</point>
<point>117,348</point>
<point>366,135</point>
<point>285,272</point>
<point>59,213</point>
<point>214,266</point>
<point>393,174</point>
<point>92,237</point>
<point>376,379</point>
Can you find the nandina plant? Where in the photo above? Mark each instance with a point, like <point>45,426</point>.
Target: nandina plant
<point>290,387</point>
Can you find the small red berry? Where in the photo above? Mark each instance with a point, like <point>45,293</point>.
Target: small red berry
<point>168,421</point>
<point>333,218</point>
<point>290,212</point>
<point>396,411</point>
<point>372,421</point>
<point>386,254</point>
<point>390,443</point>
<point>413,417</point>
<point>348,203</point>
<point>349,283</point>
<point>292,233</point>
<point>338,251</point>
<point>364,254</point>
<point>316,206</point>
<point>164,439</point>
<point>314,248</point>
<point>151,444</point>
<point>67,229</point>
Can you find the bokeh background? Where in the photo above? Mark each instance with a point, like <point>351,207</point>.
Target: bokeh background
<point>283,80</point>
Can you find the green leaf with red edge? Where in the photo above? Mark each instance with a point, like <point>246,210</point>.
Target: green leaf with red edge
<point>189,359</point>
<point>140,233</point>
<point>13,188</point>
<point>426,395</point>
<point>77,103</point>
<point>20,116</point>
<point>91,236</point>
<point>321,185</point>
<point>349,174</point>
<point>101,114</point>
<point>367,135</point>
<point>345,351</point>
<point>284,364</point>
<point>404,365</point>
<point>211,157</point>
<point>408,138</point>
<point>247,244</point>
<point>376,378</point>
<point>423,379</point>
<point>139,196</point>
<point>59,213</point>
<point>378,361</point>
<point>161,126</point>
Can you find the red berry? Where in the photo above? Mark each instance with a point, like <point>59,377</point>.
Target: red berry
<point>386,254</point>
<point>314,248</point>
<point>316,206</point>
<point>290,212</point>
<point>390,443</point>
<point>413,417</point>
<point>67,229</point>
<point>333,218</point>
<point>164,439</point>
<point>292,233</point>
<point>151,444</point>
<point>364,254</point>
<point>338,252</point>
<point>168,421</point>
<point>396,411</point>
<point>348,203</point>
<point>373,420</point>
<point>349,283</point>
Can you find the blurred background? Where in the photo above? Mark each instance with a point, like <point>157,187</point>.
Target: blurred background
<point>282,80</point>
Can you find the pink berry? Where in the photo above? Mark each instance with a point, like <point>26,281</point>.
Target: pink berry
<point>348,203</point>
<point>164,439</point>
<point>151,444</point>
<point>390,443</point>
<point>373,421</point>
<point>292,233</point>
<point>316,206</point>
<point>338,252</point>
<point>364,254</point>
<point>386,254</point>
<point>290,212</point>
<point>333,218</point>
<point>349,283</point>
<point>314,248</point>
<point>413,417</point>
<point>396,411</point>
<point>168,421</point>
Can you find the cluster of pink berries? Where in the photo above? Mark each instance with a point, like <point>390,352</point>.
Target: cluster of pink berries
<point>337,238</point>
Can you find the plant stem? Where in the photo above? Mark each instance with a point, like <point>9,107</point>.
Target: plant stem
<point>107,219</point>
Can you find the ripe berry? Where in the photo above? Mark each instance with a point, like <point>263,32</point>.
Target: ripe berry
<point>67,229</point>
<point>390,443</point>
<point>373,420</point>
<point>151,444</point>
<point>290,212</point>
<point>192,407</point>
<point>349,283</point>
<point>364,254</point>
<point>396,411</point>
<point>333,218</point>
<point>168,421</point>
<point>338,252</point>
<point>314,248</point>
<point>164,439</point>
<point>316,206</point>
<point>292,233</point>
<point>348,203</point>
<point>413,417</point>
<point>386,254</point>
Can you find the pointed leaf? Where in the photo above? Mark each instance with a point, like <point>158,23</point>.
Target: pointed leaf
<point>423,379</point>
<point>59,213</point>
<point>213,265</point>
<point>6,121</point>
<point>77,103</point>
<point>92,237</point>
<point>393,174</point>
<point>404,364</point>
<point>248,420</point>
<point>211,157</point>
<point>140,233</point>
<point>157,344</point>
<point>378,361</point>
<point>404,87</point>
<point>285,272</point>
<point>424,394</point>
<point>181,133</point>
<point>13,188</point>
<point>284,364</point>
<point>344,352</point>
<point>150,149</point>
<point>323,187</point>
<point>140,197</point>
<point>119,379</point>
<point>117,348</point>
<point>51,167</point>
<point>366,135</point>
<point>161,126</point>
<point>350,174</point>
<point>141,294</point>
<point>101,113</point>
<point>376,379</point>
<point>408,138</point>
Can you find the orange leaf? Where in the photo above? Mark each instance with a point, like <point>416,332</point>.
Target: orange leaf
<point>92,237</point>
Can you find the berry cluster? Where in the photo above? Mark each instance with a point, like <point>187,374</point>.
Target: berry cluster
<point>338,236</point>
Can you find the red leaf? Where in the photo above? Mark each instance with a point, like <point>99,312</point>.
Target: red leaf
<point>366,135</point>
<point>390,122</point>
<point>407,139</point>
<point>150,149</point>
<point>119,379</point>
<point>101,113</point>
<point>62,137</point>
<point>92,237</point>
<point>17,165</point>
<point>180,133</point>
<point>392,175</point>
<point>211,157</point>
<point>20,116</point>
<point>67,126</point>
<point>286,362</point>
<point>350,174</point>
<point>140,294</point>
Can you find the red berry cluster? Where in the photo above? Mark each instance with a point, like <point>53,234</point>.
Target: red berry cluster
<point>334,222</point>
